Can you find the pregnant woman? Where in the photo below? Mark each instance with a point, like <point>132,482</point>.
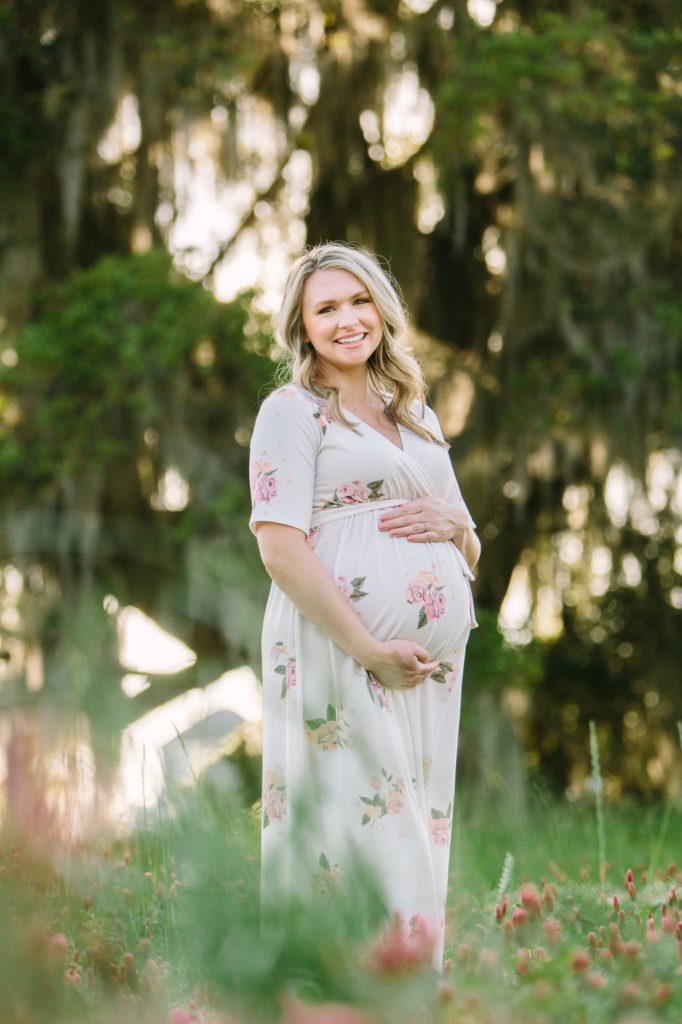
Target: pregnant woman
<point>361,525</point>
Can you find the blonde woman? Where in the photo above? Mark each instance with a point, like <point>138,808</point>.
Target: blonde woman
<point>361,525</point>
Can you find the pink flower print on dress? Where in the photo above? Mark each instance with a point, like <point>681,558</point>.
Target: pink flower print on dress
<point>439,826</point>
<point>415,593</point>
<point>290,675</point>
<point>377,692</point>
<point>427,592</point>
<point>274,798</point>
<point>352,590</point>
<point>451,679</point>
<point>434,604</point>
<point>311,539</point>
<point>351,494</point>
<point>286,667</point>
<point>395,801</point>
<point>327,733</point>
<point>324,417</point>
<point>388,798</point>
<point>355,493</point>
<point>263,482</point>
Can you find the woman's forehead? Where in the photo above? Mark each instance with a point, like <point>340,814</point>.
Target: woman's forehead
<point>331,284</point>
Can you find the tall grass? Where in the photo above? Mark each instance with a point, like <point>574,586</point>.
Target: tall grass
<point>170,922</point>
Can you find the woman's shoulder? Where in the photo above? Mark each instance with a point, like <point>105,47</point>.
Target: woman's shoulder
<point>291,392</point>
<point>293,404</point>
<point>423,413</point>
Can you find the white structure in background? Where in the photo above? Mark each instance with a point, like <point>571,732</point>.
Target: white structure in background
<point>176,742</point>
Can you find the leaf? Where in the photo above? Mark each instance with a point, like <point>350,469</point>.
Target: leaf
<point>283,691</point>
<point>368,801</point>
<point>331,713</point>
<point>266,820</point>
<point>358,581</point>
<point>435,814</point>
<point>324,863</point>
<point>315,723</point>
<point>281,670</point>
<point>423,619</point>
<point>365,819</point>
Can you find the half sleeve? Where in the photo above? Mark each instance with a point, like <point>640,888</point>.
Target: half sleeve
<point>454,494</point>
<point>284,445</point>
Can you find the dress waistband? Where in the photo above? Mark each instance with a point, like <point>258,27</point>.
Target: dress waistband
<point>328,515</point>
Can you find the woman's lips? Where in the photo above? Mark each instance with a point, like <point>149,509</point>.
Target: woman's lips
<point>358,339</point>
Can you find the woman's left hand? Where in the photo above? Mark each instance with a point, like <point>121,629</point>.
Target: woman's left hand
<point>442,520</point>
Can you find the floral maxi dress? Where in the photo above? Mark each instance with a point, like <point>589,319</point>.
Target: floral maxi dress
<point>381,762</point>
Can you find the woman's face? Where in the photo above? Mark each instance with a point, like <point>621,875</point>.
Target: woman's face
<point>340,320</point>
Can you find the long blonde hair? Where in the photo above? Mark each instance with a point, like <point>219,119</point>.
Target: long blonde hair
<point>393,372</point>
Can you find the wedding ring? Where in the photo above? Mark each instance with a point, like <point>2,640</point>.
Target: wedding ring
<point>426,529</point>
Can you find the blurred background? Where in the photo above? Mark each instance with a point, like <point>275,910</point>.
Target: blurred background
<point>518,164</point>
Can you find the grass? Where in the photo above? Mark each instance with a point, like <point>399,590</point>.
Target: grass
<point>166,927</point>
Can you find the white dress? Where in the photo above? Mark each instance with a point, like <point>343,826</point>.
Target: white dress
<point>377,766</point>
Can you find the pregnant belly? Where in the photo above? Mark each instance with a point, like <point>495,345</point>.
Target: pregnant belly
<point>398,588</point>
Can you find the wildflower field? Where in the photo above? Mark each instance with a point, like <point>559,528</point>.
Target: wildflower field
<point>164,928</point>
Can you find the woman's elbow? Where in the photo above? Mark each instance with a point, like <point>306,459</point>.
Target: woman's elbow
<point>278,547</point>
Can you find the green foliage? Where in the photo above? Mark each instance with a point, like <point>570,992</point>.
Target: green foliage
<point>102,358</point>
<point>495,665</point>
<point>570,80</point>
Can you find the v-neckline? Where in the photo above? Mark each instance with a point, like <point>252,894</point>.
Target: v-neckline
<point>400,448</point>
<point>364,423</point>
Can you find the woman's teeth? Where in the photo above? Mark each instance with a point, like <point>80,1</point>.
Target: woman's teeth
<point>350,341</point>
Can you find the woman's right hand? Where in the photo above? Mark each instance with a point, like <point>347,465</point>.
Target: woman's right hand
<point>400,664</point>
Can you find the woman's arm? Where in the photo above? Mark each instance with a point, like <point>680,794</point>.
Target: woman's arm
<point>297,571</point>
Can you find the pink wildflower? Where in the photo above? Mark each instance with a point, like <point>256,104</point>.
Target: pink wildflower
<point>181,1016</point>
<point>552,929</point>
<point>400,948</point>
<point>580,960</point>
<point>549,895</point>
<point>530,899</point>
<point>668,921</point>
<point>59,945</point>
<point>519,917</point>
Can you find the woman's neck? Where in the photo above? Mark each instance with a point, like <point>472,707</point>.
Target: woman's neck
<point>356,393</point>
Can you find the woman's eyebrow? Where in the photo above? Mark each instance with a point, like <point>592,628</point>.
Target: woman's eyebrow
<point>330,302</point>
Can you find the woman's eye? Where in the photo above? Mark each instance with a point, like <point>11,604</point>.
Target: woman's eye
<point>362,300</point>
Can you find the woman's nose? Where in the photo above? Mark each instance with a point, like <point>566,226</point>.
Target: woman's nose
<point>348,315</point>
